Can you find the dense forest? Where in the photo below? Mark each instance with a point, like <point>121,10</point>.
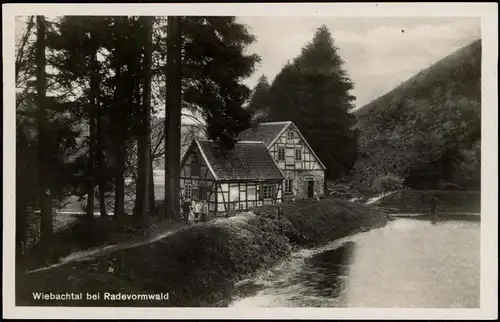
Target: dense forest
<point>91,91</point>
<point>426,133</point>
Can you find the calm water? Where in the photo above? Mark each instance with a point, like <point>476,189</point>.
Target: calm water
<point>408,264</point>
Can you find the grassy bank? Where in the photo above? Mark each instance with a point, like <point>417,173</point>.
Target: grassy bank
<point>78,234</point>
<point>199,266</point>
<point>418,201</point>
<point>442,217</point>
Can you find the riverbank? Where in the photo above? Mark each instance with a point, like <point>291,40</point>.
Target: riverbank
<point>418,201</point>
<point>445,216</point>
<point>200,265</point>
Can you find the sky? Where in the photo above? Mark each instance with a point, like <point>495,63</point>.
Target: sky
<point>379,53</point>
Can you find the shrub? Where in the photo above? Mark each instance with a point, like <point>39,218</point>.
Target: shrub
<point>388,182</point>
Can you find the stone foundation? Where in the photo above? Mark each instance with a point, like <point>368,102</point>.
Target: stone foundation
<point>300,185</point>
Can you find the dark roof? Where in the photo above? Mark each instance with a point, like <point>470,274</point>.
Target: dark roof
<point>265,132</point>
<point>246,161</point>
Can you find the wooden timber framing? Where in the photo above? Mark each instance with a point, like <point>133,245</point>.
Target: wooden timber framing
<point>307,161</point>
<point>292,154</point>
<point>224,195</point>
<point>249,194</point>
<point>202,183</point>
<point>295,157</point>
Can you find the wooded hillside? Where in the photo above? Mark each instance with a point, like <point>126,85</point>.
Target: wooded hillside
<point>426,133</point>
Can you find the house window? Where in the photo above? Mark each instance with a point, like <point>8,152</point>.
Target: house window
<point>281,154</point>
<point>252,192</point>
<point>291,135</point>
<point>195,166</point>
<point>298,155</point>
<point>187,191</point>
<point>288,185</point>
<point>267,191</point>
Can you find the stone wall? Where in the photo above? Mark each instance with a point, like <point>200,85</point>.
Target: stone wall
<point>299,186</point>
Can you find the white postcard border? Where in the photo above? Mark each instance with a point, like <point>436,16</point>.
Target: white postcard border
<point>489,186</point>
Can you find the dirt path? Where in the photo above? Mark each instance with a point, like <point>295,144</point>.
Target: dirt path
<point>377,198</point>
<point>106,249</point>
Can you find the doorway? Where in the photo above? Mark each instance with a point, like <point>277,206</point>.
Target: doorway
<point>310,189</point>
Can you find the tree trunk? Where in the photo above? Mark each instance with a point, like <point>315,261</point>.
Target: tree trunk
<point>20,224</point>
<point>45,198</point>
<point>139,181</point>
<point>119,140</point>
<point>21,196</point>
<point>93,112</point>
<point>119,183</point>
<point>91,171</point>
<point>101,167</point>
<point>173,119</point>
<point>144,149</point>
<point>102,172</point>
<point>152,203</point>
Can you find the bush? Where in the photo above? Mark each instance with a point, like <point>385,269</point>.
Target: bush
<point>388,182</point>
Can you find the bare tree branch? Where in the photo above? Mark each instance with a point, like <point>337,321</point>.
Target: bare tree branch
<point>199,123</point>
<point>24,40</point>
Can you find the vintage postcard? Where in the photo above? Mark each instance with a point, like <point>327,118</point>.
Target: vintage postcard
<point>250,160</point>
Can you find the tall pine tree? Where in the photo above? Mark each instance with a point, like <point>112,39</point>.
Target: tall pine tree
<point>45,197</point>
<point>214,63</point>
<point>259,97</point>
<point>313,91</point>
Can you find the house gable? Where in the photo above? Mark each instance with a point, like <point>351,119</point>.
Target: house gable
<point>291,151</point>
<point>195,164</point>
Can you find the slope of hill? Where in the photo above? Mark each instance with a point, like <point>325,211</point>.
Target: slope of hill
<point>427,131</point>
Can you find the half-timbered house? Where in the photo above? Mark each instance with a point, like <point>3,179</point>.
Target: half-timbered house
<point>303,170</point>
<point>239,179</point>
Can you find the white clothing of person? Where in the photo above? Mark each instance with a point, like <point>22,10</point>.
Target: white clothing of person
<point>191,217</point>
<point>196,207</point>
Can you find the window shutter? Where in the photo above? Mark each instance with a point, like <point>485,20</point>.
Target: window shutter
<point>274,191</point>
<point>261,192</point>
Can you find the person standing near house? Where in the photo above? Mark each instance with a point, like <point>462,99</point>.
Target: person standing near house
<point>186,209</point>
<point>204,211</point>
<point>196,210</point>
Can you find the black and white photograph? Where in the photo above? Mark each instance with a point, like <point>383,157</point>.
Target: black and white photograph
<point>251,158</point>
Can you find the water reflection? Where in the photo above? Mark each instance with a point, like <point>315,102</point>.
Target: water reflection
<point>408,263</point>
<point>310,278</point>
<point>325,273</point>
